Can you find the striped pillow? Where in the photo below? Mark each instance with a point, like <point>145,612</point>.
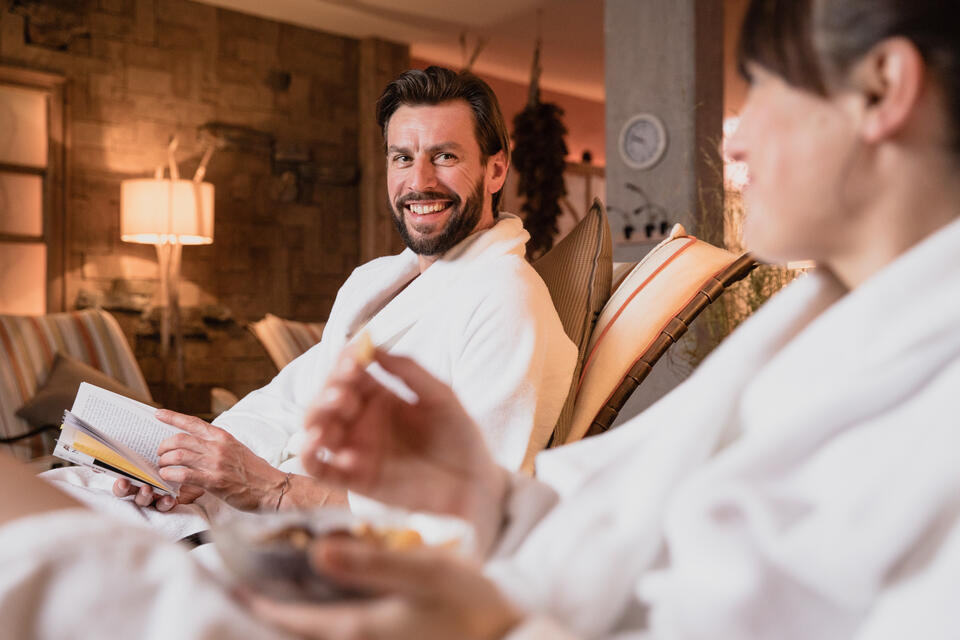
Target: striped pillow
<point>284,340</point>
<point>578,272</point>
<point>28,345</point>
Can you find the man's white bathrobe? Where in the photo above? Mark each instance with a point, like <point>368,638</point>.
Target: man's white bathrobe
<point>832,509</point>
<point>479,318</point>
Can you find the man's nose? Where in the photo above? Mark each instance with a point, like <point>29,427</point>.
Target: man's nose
<point>424,175</point>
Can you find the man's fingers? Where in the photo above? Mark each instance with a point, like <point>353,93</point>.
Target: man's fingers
<point>144,496</point>
<point>178,457</point>
<point>183,441</point>
<point>190,424</point>
<point>122,488</point>
<point>185,475</point>
<point>189,493</point>
<point>165,503</point>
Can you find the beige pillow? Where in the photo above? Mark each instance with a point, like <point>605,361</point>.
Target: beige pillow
<point>47,405</point>
<point>578,272</point>
<point>647,312</point>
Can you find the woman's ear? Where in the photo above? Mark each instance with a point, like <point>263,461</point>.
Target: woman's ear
<point>890,78</point>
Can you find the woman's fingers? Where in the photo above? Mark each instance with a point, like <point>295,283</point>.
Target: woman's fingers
<point>420,381</point>
<point>341,621</point>
<point>362,565</point>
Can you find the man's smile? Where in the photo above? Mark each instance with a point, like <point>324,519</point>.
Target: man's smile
<point>427,210</point>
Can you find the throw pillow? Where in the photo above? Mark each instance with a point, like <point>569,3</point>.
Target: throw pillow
<point>56,394</point>
<point>578,271</point>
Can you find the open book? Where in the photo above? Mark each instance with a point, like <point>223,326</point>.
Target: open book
<point>113,434</point>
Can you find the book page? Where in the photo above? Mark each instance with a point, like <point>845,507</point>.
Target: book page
<point>122,419</point>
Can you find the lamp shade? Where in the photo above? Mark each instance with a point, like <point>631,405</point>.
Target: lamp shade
<point>158,211</point>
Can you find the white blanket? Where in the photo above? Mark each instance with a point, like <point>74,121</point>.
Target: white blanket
<point>830,511</point>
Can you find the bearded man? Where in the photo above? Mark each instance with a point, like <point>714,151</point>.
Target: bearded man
<point>461,299</point>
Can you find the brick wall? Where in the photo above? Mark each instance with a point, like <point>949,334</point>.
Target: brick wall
<point>287,229</point>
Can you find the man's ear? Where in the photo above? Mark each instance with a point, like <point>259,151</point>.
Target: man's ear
<point>890,78</point>
<point>496,171</point>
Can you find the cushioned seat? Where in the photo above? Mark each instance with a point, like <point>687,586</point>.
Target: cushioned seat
<point>621,335</point>
<point>650,309</point>
<point>29,346</point>
<point>284,340</point>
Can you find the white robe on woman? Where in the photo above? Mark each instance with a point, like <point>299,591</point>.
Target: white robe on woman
<point>803,483</point>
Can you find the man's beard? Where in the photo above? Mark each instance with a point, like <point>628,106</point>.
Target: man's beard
<point>461,221</point>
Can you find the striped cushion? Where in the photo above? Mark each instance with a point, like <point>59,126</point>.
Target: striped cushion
<point>284,340</point>
<point>28,345</point>
<point>578,272</point>
<point>664,289</point>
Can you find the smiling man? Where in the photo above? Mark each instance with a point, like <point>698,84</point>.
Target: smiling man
<point>461,299</point>
<point>438,176</point>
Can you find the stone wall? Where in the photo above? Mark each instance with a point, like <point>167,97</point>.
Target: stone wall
<point>280,102</point>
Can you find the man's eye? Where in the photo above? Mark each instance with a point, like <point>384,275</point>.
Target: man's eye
<point>401,159</point>
<point>446,157</point>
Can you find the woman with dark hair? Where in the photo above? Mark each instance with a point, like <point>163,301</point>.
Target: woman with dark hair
<point>803,483</point>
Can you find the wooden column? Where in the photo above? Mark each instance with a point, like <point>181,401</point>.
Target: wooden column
<point>380,62</point>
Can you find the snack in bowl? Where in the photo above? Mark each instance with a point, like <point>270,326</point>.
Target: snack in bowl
<point>269,553</point>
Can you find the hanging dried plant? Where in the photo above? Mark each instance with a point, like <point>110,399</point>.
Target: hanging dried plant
<point>539,154</point>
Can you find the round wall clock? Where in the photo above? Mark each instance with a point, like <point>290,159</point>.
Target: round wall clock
<point>643,141</point>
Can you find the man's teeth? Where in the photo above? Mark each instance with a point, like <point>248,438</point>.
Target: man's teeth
<point>421,209</point>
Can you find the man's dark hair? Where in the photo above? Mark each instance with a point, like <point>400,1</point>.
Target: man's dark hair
<point>435,85</point>
<point>811,43</point>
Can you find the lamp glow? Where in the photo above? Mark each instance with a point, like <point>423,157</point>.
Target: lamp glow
<point>166,211</point>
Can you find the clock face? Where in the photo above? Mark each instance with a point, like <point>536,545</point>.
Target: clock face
<point>643,141</point>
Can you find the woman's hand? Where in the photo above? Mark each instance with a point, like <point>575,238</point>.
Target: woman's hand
<point>425,593</point>
<point>425,455</point>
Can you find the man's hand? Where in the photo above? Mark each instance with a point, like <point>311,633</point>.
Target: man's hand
<point>210,458</point>
<point>427,456</point>
<point>144,496</point>
<point>427,594</point>
<point>207,458</point>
